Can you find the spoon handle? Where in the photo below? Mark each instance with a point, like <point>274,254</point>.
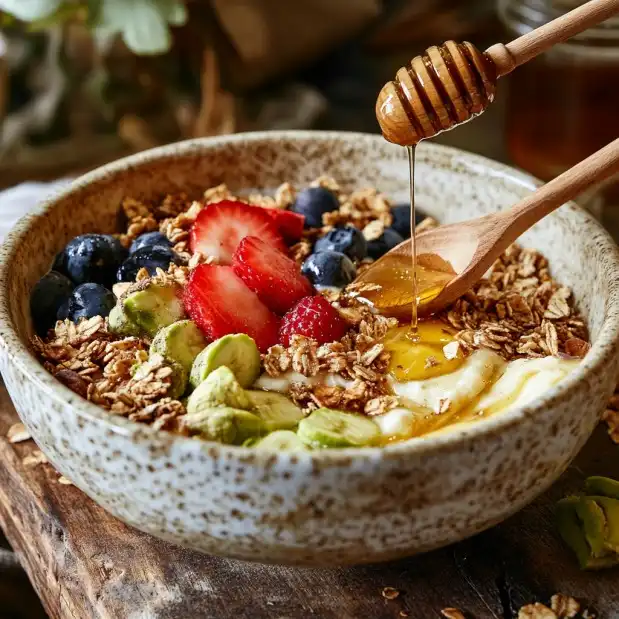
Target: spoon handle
<point>596,168</point>
<point>507,57</point>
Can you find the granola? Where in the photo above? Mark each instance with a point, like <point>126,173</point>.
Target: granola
<point>18,433</point>
<point>611,416</point>
<point>536,611</point>
<point>358,358</point>
<point>518,311</point>
<point>564,606</point>
<point>87,358</point>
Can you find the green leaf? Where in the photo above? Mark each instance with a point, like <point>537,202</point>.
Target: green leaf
<point>142,23</point>
<point>147,30</point>
<point>30,10</point>
<point>173,11</point>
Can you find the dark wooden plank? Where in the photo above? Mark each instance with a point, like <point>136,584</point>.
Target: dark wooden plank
<point>86,564</point>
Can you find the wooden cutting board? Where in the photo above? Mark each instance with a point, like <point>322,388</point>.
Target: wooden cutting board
<point>85,564</point>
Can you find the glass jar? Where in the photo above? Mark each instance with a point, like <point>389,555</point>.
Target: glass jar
<point>563,105</point>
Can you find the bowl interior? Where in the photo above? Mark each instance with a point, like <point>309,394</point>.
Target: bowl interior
<point>451,186</point>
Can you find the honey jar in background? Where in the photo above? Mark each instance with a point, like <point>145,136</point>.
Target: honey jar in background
<point>564,105</point>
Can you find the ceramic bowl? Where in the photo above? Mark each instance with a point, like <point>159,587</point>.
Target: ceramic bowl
<point>321,507</point>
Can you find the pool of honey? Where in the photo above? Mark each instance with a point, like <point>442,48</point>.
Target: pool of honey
<point>393,280</point>
<point>423,357</point>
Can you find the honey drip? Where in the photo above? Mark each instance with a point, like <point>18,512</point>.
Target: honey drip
<point>398,281</point>
<point>412,334</point>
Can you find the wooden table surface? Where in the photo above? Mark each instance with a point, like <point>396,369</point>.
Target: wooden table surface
<point>85,564</point>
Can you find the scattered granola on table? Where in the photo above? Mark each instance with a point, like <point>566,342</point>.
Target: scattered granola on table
<point>264,286</point>
<point>389,593</point>
<point>18,433</point>
<point>561,607</point>
<point>611,417</point>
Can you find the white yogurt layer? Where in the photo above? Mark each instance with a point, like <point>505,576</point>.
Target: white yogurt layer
<point>283,382</point>
<point>484,385</point>
<point>456,389</point>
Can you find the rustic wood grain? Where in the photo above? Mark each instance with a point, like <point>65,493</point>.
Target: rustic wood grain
<point>85,564</point>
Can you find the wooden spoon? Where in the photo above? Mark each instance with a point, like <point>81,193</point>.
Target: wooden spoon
<point>455,82</point>
<point>469,248</point>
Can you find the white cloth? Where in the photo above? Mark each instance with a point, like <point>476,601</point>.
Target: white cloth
<point>19,200</point>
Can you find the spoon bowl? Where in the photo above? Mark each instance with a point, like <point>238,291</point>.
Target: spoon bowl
<point>469,248</point>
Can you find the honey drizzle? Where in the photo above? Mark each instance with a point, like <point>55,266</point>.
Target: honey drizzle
<point>413,333</point>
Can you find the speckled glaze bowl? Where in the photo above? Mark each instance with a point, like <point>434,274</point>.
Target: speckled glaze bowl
<point>321,507</point>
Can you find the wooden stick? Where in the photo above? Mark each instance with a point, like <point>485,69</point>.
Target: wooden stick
<point>507,57</point>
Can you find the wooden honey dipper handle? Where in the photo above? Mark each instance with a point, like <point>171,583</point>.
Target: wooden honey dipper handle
<point>507,57</point>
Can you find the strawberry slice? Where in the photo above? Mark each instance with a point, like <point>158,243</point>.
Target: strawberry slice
<point>219,228</point>
<point>274,277</point>
<point>289,224</point>
<point>220,303</point>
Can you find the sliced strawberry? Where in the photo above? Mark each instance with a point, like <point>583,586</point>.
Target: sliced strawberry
<point>274,277</point>
<point>313,317</point>
<point>220,303</point>
<point>290,225</point>
<point>219,228</point>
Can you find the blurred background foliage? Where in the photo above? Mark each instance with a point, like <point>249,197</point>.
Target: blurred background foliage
<point>86,81</point>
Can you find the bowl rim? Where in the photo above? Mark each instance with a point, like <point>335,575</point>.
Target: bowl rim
<point>21,355</point>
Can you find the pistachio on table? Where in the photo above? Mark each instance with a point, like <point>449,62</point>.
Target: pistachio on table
<point>589,524</point>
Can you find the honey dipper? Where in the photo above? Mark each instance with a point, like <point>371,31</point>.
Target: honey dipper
<point>455,82</point>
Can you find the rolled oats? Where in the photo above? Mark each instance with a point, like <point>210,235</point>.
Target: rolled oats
<point>301,250</point>
<point>18,433</point>
<point>380,405</point>
<point>34,459</point>
<point>518,311</point>
<point>536,611</point>
<point>611,417</point>
<point>389,593</point>
<point>564,606</point>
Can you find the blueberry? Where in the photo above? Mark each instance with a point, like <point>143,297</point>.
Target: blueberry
<point>386,241</point>
<point>402,219</point>
<point>86,301</point>
<point>48,294</point>
<point>312,203</point>
<point>63,310</point>
<point>148,239</point>
<point>91,258</point>
<point>58,264</point>
<point>329,268</point>
<point>347,240</point>
<point>148,257</point>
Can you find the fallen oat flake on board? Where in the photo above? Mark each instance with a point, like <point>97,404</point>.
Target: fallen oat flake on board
<point>34,459</point>
<point>611,416</point>
<point>536,611</point>
<point>65,481</point>
<point>565,606</point>
<point>389,593</point>
<point>18,433</point>
<point>561,607</point>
